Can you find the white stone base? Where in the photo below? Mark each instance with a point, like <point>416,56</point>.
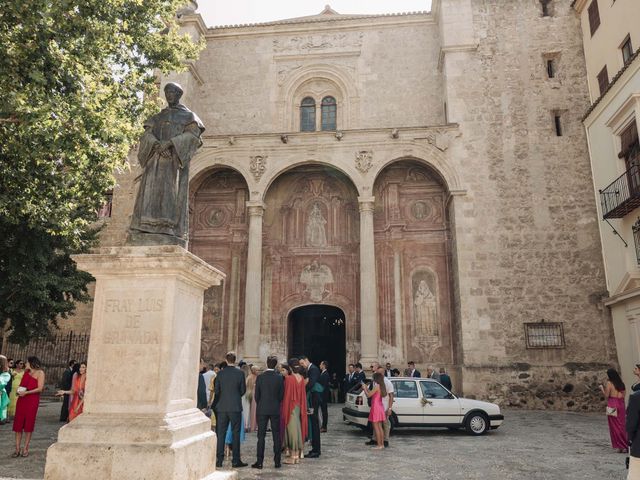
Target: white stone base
<point>139,420</point>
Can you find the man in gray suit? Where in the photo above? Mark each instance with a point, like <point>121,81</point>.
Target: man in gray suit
<point>433,373</point>
<point>229,387</point>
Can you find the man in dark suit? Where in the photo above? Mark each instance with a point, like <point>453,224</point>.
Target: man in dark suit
<point>65,384</point>
<point>445,379</point>
<point>412,370</point>
<point>348,383</point>
<point>360,375</point>
<point>268,393</point>
<point>324,396</point>
<point>632,427</point>
<point>229,387</point>
<point>313,373</point>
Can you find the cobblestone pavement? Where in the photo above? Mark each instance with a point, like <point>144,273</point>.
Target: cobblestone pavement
<point>534,445</point>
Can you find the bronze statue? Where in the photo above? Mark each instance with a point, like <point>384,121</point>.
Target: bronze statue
<point>171,137</point>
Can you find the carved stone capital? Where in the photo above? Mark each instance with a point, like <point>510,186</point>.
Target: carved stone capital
<point>366,204</point>
<point>255,209</point>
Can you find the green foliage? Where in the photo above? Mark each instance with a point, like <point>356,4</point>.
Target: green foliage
<point>40,281</point>
<point>77,78</point>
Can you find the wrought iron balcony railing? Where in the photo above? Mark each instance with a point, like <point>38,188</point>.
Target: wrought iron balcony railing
<point>622,195</point>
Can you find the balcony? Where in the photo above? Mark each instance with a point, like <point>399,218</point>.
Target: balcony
<point>622,196</point>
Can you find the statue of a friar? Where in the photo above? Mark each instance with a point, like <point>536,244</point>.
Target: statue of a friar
<point>171,137</point>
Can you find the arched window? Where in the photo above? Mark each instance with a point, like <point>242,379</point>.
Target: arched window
<point>328,113</point>
<point>308,115</point>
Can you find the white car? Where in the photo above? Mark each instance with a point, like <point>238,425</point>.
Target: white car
<point>423,402</point>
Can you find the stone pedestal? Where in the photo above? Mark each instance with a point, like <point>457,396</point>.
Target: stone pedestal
<point>140,419</point>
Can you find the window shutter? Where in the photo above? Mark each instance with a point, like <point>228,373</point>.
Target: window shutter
<point>594,16</point>
<point>603,79</point>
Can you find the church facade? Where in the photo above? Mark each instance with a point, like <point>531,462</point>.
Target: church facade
<point>411,187</point>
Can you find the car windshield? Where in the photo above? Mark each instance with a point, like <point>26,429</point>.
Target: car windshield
<point>433,390</point>
<point>357,388</point>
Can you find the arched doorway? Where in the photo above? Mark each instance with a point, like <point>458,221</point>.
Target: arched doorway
<point>318,331</point>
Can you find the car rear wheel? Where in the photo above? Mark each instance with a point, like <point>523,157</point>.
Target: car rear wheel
<point>477,423</point>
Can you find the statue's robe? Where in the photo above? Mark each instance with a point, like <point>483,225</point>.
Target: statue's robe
<point>161,203</point>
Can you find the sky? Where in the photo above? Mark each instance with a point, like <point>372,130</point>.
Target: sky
<point>224,12</point>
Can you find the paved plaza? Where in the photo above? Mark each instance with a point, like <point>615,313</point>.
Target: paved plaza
<point>534,445</point>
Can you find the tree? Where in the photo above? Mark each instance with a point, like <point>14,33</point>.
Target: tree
<point>77,82</point>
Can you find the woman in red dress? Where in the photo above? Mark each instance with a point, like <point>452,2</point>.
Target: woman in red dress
<point>76,394</point>
<point>27,405</point>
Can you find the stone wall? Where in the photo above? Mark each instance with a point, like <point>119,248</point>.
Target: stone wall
<point>526,233</point>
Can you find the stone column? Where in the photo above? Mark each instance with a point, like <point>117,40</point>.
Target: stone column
<point>142,422</point>
<point>253,291</point>
<point>369,328</point>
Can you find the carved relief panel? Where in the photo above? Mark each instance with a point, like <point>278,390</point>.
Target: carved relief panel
<point>412,250</point>
<point>218,234</point>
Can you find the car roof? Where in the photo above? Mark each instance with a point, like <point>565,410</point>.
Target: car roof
<point>415,378</point>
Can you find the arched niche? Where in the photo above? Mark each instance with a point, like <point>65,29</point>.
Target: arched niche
<point>218,233</point>
<point>413,255</point>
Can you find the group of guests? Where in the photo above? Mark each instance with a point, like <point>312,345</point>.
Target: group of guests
<point>356,374</point>
<point>287,398</point>
<point>20,386</point>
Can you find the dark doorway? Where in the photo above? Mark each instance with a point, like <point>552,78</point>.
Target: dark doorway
<point>318,331</point>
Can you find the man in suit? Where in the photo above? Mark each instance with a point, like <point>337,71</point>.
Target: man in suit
<point>324,396</point>
<point>388,372</point>
<point>227,403</point>
<point>412,370</point>
<point>348,382</point>
<point>360,375</point>
<point>313,374</point>
<point>269,393</point>
<point>65,384</point>
<point>201,402</point>
<point>445,379</point>
<point>632,427</point>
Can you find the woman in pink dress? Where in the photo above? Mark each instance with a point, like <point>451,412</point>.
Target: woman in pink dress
<point>27,405</point>
<point>376,414</point>
<point>614,393</point>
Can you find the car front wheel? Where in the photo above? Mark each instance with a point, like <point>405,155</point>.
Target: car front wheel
<point>477,423</point>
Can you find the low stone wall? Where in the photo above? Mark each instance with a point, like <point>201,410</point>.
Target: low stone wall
<point>571,387</point>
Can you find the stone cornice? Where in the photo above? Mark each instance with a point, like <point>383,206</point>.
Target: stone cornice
<point>471,47</point>
<point>195,19</point>
<point>274,137</point>
<point>356,22</point>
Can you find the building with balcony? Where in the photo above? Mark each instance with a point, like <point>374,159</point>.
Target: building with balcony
<point>400,187</point>
<point>611,37</point>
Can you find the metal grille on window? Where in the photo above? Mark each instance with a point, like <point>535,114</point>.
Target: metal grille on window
<point>636,238</point>
<point>544,335</point>
<point>308,115</point>
<point>328,113</point>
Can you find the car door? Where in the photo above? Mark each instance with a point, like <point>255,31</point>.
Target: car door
<point>406,402</point>
<point>440,406</point>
